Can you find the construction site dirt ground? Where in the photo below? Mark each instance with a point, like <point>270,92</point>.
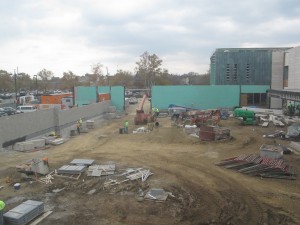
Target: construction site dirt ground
<point>202,193</point>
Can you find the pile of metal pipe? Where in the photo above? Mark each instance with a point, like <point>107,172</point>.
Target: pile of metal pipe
<point>262,166</point>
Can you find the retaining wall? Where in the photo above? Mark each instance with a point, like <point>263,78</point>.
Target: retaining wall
<point>25,126</point>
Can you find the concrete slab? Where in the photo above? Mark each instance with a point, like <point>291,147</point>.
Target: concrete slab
<point>295,146</point>
<point>87,162</point>
<point>156,194</point>
<point>24,213</point>
<point>71,169</point>
<point>29,145</point>
<point>57,141</point>
<point>101,170</point>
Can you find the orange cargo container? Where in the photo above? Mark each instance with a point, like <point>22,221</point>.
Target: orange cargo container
<point>54,99</point>
<point>103,97</point>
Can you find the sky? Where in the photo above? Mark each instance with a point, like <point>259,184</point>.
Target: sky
<point>74,35</point>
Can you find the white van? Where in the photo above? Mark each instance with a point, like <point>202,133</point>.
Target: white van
<point>26,108</point>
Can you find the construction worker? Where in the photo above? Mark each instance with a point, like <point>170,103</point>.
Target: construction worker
<point>78,127</point>
<point>2,205</point>
<point>52,134</point>
<point>80,121</point>
<point>291,108</point>
<point>126,126</point>
<point>155,111</point>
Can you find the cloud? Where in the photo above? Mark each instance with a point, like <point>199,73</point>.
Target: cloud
<point>75,34</point>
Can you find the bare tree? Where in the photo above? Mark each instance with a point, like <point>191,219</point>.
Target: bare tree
<point>69,80</point>
<point>124,78</point>
<point>46,76</point>
<point>148,68</point>
<point>97,77</point>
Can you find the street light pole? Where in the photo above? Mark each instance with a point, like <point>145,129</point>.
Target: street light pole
<point>36,84</point>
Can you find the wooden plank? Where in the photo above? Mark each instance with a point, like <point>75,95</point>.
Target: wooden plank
<point>40,218</point>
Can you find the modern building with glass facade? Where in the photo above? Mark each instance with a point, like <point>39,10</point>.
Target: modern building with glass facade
<point>255,67</point>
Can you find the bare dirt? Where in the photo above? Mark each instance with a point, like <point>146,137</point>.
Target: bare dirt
<point>203,192</point>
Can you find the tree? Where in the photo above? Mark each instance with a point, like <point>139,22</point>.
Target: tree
<point>24,81</point>
<point>148,68</point>
<point>164,78</point>
<point>123,78</point>
<point>6,82</point>
<point>197,79</point>
<point>97,77</point>
<point>69,80</point>
<point>45,76</point>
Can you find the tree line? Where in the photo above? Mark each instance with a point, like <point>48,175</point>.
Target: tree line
<point>148,72</point>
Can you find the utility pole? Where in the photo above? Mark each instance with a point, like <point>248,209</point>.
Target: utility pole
<point>107,76</point>
<point>16,92</point>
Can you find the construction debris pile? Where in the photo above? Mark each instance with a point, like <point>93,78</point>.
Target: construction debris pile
<point>266,119</point>
<point>131,174</point>
<point>191,129</point>
<point>293,130</point>
<point>213,133</point>
<point>262,166</point>
<point>276,133</point>
<point>34,166</point>
<point>141,130</point>
<point>80,167</point>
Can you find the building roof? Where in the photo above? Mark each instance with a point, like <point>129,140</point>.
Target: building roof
<point>252,49</point>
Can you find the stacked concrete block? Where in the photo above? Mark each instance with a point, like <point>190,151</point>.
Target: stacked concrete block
<point>271,151</point>
<point>110,116</point>
<point>30,145</point>
<point>90,124</point>
<point>49,139</point>
<point>56,141</point>
<point>24,213</point>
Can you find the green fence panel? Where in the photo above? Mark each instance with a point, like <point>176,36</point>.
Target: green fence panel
<point>254,89</point>
<point>117,95</point>
<point>85,95</point>
<point>198,97</point>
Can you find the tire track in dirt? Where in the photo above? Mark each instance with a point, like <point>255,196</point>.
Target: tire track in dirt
<point>240,202</point>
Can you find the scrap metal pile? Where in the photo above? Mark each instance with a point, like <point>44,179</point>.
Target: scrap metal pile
<point>256,165</point>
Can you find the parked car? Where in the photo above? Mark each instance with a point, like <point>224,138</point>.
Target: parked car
<point>133,100</point>
<point>26,108</point>
<point>2,113</point>
<point>9,110</point>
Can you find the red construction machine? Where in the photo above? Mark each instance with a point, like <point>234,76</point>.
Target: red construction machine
<point>141,117</point>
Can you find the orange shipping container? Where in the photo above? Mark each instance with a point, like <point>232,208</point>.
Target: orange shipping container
<point>54,99</point>
<point>103,97</point>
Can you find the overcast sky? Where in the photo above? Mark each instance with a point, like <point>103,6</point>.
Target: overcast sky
<point>73,35</point>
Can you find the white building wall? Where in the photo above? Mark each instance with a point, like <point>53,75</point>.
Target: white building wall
<point>293,62</point>
<point>277,77</point>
